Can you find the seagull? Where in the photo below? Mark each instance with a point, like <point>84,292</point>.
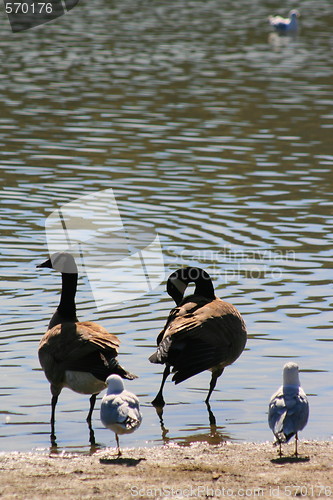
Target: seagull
<point>202,333</point>
<point>285,25</point>
<point>120,409</point>
<point>288,410</point>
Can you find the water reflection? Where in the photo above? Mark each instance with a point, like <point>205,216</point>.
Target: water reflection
<point>210,137</point>
<point>213,434</point>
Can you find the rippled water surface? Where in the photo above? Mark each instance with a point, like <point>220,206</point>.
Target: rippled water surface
<point>214,134</point>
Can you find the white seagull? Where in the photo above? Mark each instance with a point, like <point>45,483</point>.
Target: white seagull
<point>120,409</point>
<point>285,25</point>
<point>288,410</point>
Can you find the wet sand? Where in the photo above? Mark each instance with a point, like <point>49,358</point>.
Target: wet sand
<point>199,471</point>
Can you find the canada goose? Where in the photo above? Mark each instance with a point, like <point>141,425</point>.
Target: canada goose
<point>120,409</point>
<point>288,410</point>
<point>73,354</point>
<point>202,333</point>
<point>285,25</point>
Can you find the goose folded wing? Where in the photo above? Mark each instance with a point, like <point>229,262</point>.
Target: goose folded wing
<point>197,310</point>
<point>196,342</point>
<point>180,320</point>
<point>67,343</point>
<point>201,348</point>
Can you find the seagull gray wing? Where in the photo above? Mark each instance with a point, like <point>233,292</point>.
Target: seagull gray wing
<point>288,412</point>
<point>121,409</point>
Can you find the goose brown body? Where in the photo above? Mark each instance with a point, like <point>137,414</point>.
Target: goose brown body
<point>73,354</point>
<point>202,333</point>
<point>81,347</point>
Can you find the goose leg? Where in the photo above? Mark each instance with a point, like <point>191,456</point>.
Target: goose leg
<point>91,431</point>
<point>215,376</point>
<point>55,391</point>
<point>212,419</point>
<point>159,400</point>
<point>54,401</point>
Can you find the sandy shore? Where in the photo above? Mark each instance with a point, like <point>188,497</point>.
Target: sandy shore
<point>200,471</point>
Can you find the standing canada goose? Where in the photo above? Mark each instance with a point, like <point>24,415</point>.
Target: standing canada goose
<point>288,410</point>
<point>202,333</point>
<point>120,409</point>
<point>73,354</point>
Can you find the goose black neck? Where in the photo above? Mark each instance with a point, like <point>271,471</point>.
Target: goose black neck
<point>67,308</point>
<point>204,286</point>
<point>179,280</point>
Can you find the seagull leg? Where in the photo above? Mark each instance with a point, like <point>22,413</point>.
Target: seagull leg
<point>159,400</point>
<point>91,431</point>
<point>118,446</point>
<point>280,450</point>
<point>215,376</point>
<point>296,441</point>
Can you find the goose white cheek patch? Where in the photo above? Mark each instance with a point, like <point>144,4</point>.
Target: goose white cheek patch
<point>63,263</point>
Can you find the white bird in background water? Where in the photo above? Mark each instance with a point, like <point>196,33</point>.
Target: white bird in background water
<point>288,408</point>
<point>120,409</point>
<point>285,25</point>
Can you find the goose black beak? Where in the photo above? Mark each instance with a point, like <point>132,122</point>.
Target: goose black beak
<point>47,263</point>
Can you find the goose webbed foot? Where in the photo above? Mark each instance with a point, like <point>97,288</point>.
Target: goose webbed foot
<point>158,402</point>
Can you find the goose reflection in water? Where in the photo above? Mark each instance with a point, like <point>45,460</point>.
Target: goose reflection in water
<point>211,434</point>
